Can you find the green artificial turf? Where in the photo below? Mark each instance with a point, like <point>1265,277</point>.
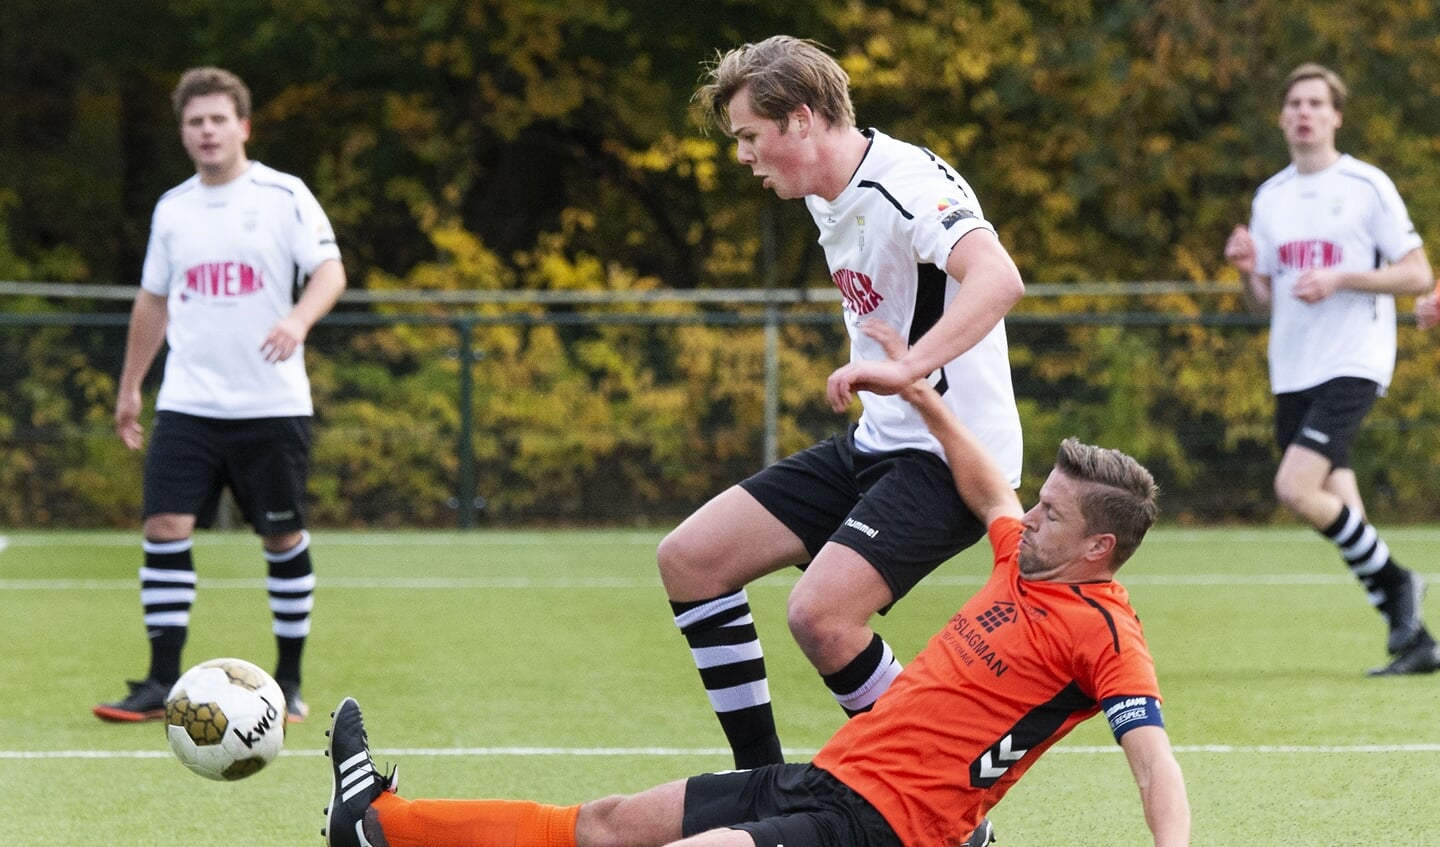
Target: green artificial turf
<point>545,665</point>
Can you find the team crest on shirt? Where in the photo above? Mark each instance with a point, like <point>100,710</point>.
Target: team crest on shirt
<point>860,228</point>
<point>250,219</point>
<point>996,616</point>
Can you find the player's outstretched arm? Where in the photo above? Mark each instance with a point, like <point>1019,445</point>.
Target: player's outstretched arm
<point>1162,786</point>
<point>982,485</point>
<point>990,285</point>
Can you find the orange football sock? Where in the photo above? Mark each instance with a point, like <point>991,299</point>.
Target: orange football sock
<point>475,823</point>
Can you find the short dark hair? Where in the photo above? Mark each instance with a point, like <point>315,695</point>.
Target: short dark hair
<point>1310,70</point>
<point>782,73</point>
<point>201,82</point>
<point>1119,495</point>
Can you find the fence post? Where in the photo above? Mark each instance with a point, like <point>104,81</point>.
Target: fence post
<point>466,501</point>
<point>772,383</point>
<point>770,273</point>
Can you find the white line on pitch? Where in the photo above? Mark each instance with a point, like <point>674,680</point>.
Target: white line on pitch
<point>487,538</point>
<point>795,754</point>
<point>570,583</point>
<point>480,539</point>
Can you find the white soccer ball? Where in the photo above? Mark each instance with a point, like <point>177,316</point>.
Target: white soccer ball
<point>225,719</point>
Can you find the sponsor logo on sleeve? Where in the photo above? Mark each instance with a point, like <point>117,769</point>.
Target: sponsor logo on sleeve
<point>951,212</point>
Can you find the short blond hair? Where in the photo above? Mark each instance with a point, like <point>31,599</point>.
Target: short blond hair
<point>1338,91</point>
<point>782,73</point>
<point>204,81</point>
<point>1118,495</point>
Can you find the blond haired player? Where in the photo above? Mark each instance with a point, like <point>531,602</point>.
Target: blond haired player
<point>1049,641</point>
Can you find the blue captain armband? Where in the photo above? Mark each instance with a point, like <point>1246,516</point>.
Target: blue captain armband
<point>1126,713</point>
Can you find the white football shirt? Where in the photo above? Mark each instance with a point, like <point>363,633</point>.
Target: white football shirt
<point>1348,217</point>
<point>886,239</point>
<point>228,259</point>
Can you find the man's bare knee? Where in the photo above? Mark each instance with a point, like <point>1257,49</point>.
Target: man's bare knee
<point>825,636</point>
<point>673,554</point>
<point>682,564</point>
<point>169,527</point>
<point>282,543</point>
<point>1287,493</point>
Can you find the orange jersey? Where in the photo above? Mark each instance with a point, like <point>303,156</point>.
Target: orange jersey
<point>1019,666</point>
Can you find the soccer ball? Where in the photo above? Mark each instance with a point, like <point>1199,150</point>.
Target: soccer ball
<point>225,719</point>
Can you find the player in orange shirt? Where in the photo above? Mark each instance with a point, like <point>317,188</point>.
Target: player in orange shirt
<point>1049,641</point>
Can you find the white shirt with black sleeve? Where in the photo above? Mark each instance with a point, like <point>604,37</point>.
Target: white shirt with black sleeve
<point>887,238</point>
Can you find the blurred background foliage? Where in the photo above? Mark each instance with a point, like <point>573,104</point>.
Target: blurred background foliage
<point>549,145</point>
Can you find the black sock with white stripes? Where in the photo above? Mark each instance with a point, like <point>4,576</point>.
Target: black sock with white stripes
<point>861,682</point>
<point>291,585</point>
<point>167,591</point>
<point>726,649</point>
<point>1367,555</point>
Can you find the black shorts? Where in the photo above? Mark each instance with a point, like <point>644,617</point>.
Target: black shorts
<point>1325,418</point>
<point>898,510</point>
<point>790,805</point>
<point>263,461</point>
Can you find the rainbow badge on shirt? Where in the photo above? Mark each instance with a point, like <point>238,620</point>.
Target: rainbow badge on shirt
<point>956,211</point>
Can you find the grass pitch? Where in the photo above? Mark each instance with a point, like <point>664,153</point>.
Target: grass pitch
<point>545,666</point>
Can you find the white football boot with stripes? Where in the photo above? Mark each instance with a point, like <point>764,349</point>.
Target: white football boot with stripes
<point>357,782</point>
